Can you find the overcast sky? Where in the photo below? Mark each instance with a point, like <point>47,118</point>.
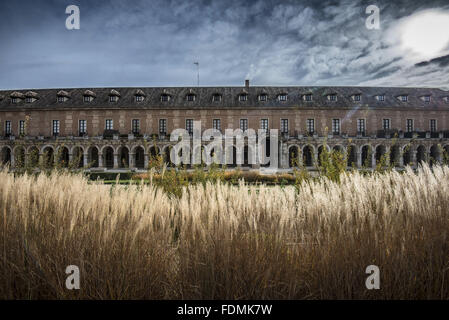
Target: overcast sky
<point>271,42</point>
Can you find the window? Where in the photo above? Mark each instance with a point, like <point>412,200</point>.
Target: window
<point>189,126</point>
<point>7,127</point>
<point>404,98</point>
<point>139,98</point>
<point>243,97</point>
<point>357,97</point>
<point>332,97</point>
<point>409,126</point>
<point>263,97</point>
<point>87,98</point>
<point>21,127</point>
<point>433,125</point>
<point>284,126</point>
<point>61,99</point>
<point>283,97</point>
<point>381,98</point>
<point>427,99</point>
<point>308,97</point>
<point>113,98</point>
<point>216,97</point>
<point>82,127</point>
<point>135,126</point>
<point>55,127</point>
<point>165,97</point>
<point>14,100</point>
<point>243,124</point>
<point>216,124</point>
<point>361,126</point>
<point>190,97</point>
<point>386,124</point>
<point>310,126</point>
<point>163,127</point>
<point>29,99</point>
<point>336,126</point>
<point>264,125</point>
<point>109,124</point>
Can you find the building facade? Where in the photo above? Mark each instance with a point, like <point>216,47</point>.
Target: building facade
<point>109,129</point>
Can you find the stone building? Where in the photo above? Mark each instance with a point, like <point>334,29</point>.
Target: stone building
<point>109,129</point>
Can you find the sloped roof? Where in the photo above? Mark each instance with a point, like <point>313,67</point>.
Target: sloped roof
<point>48,97</point>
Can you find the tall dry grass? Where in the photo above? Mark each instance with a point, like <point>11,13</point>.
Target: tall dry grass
<point>312,241</point>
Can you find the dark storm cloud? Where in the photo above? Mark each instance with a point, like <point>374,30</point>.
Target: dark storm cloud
<point>154,43</point>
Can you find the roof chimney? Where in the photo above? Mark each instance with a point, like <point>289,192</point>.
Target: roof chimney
<point>247,83</point>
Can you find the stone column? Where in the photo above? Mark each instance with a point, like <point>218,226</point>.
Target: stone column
<point>373,158</point>
<point>401,159</point>
<point>315,158</point>
<point>13,162</point>
<point>132,158</point>
<point>146,160</point>
<point>115,160</point>
<point>359,159</point>
<point>413,157</point>
<point>283,156</point>
<point>100,160</point>
<point>85,159</point>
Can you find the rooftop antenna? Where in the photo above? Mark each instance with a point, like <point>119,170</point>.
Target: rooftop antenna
<point>198,76</point>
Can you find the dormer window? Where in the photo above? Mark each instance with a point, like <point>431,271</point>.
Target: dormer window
<point>216,97</point>
<point>114,96</point>
<point>29,100</point>
<point>307,97</point>
<point>380,97</point>
<point>190,97</point>
<point>426,99</point>
<point>31,96</point>
<point>165,97</point>
<point>357,97</point>
<point>243,97</point>
<point>88,96</point>
<point>263,97</point>
<point>283,97</point>
<point>139,95</point>
<point>403,98</point>
<point>63,96</point>
<point>16,97</point>
<point>446,99</point>
<point>332,97</point>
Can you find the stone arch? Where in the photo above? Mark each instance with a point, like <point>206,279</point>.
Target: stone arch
<point>92,156</point>
<point>48,156</point>
<point>63,156</point>
<point>6,155</point>
<point>407,155</point>
<point>139,157</point>
<point>320,152</point>
<point>366,152</point>
<point>339,148</point>
<point>395,155</point>
<point>78,156</point>
<point>123,157</point>
<point>167,155</point>
<point>421,154</point>
<point>380,151</point>
<point>307,154</point>
<point>435,154</point>
<point>33,156</point>
<point>293,156</point>
<point>108,157</point>
<point>351,155</point>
